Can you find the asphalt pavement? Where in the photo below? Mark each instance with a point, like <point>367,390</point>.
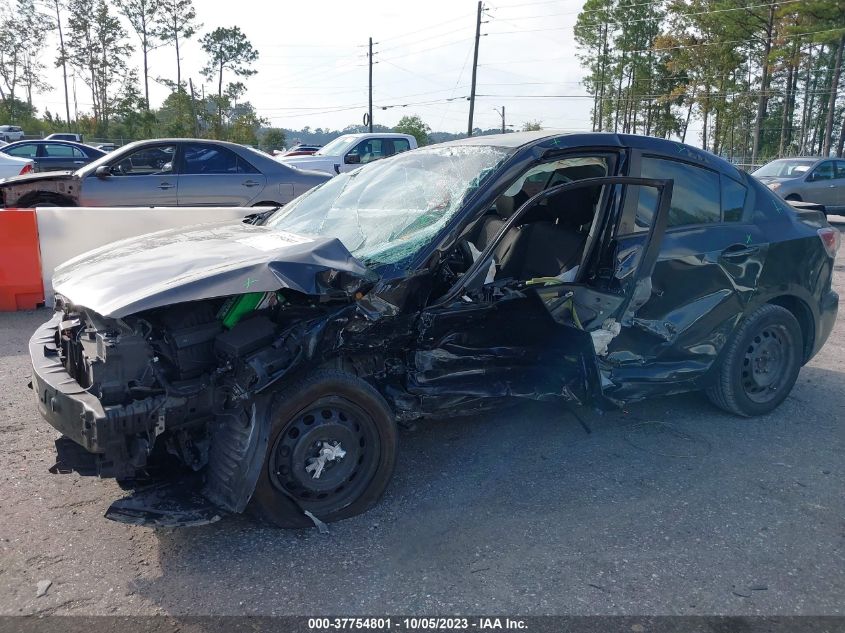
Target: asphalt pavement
<point>667,507</point>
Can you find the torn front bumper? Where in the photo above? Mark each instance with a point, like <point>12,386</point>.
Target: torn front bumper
<point>107,432</point>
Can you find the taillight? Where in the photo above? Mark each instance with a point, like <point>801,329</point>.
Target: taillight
<point>831,239</point>
<point>27,169</point>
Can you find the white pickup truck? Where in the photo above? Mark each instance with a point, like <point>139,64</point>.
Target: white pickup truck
<point>350,151</point>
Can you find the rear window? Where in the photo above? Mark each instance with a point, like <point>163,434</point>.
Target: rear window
<point>695,195</point>
<point>24,151</point>
<point>768,206</point>
<point>733,199</point>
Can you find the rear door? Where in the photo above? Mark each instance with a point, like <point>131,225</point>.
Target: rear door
<point>707,271</point>
<point>58,156</point>
<point>212,175</point>
<point>534,338</point>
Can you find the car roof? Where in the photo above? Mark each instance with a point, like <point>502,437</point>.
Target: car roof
<point>52,141</point>
<point>549,140</point>
<point>377,134</point>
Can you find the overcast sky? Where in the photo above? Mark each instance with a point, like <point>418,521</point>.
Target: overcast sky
<point>312,68</point>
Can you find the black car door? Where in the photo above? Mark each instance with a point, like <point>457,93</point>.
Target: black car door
<point>706,272</point>
<point>60,156</point>
<point>534,338</point>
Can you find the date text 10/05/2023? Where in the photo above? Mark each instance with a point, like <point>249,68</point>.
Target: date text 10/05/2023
<point>416,623</point>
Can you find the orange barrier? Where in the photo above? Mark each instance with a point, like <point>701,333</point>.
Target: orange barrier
<point>21,287</point>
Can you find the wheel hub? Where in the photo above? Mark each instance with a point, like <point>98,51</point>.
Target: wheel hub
<point>766,361</point>
<point>328,453</point>
<point>323,456</point>
<point>319,460</point>
<point>764,364</point>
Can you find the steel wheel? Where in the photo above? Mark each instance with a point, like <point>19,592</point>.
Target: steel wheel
<point>760,364</point>
<point>763,366</point>
<point>326,456</point>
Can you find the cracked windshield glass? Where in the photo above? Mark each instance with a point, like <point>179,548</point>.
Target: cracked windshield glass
<point>386,211</point>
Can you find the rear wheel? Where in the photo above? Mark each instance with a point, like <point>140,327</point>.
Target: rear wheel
<point>331,451</point>
<point>761,363</point>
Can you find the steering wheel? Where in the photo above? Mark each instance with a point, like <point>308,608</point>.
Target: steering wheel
<point>465,252</point>
<point>459,260</point>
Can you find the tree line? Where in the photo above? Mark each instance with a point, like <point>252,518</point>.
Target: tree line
<point>95,45</point>
<point>762,78</point>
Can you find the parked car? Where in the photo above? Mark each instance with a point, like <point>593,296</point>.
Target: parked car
<point>53,155</point>
<point>275,359</point>
<point>106,147</point>
<point>301,150</point>
<point>818,180</point>
<point>11,166</point>
<point>64,136</point>
<point>350,151</point>
<point>10,133</point>
<point>167,172</point>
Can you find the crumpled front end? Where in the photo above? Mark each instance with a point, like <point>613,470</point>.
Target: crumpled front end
<point>75,390</point>
<point>179,392</point>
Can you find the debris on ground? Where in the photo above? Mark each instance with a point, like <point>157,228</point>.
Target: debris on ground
<point>42,587</point>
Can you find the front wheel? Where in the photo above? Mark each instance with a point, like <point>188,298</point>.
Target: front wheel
<point>761,363</point>
<point>331,451</point>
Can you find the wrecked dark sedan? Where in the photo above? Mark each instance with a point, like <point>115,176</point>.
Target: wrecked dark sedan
<point>269,364</point>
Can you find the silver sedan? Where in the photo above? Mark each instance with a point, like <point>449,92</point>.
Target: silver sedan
<point>167,172</point>
<point>818,180</point>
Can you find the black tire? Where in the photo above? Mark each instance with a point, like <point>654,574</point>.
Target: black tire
<point>793,197</point>
<point>761,363</point>
<point>323,410</point>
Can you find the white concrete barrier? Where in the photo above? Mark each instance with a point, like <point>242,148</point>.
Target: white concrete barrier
<point>65,232</point>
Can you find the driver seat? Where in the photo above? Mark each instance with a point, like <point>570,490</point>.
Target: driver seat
<point>492,223</point>
<point>551,240</point>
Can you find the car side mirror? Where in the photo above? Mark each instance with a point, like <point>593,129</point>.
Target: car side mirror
<point>352,159</point>
<point>103,171</point>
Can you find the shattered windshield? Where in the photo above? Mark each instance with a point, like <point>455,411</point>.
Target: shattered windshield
<point>387,210</point>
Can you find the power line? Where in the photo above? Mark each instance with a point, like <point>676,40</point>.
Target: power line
<point>430,48</point>
<point>425,28</point>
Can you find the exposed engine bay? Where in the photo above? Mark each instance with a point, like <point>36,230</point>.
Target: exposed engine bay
<point>179,383</point>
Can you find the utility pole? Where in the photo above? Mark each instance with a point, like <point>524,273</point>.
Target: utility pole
<point>370,110</point>
<point>474,69</point>
<point>501,114</point>
<point>64,63</point>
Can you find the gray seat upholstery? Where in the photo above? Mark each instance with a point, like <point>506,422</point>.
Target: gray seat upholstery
<point>492,223</point>
<point>550,239</point>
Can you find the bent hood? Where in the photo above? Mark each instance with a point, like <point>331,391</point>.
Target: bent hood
<point>43,175</point>
<point>204,262</point>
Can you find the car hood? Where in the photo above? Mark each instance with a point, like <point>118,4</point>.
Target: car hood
<point>204,262</point>
<point>321,163</point>
<point>47,175</point>
<point>767,180</point>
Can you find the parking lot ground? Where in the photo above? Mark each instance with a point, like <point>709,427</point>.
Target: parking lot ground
<point>666,507</point>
